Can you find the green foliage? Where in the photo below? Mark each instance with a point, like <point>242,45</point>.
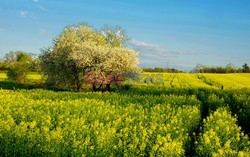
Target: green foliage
<point>23,57</point>
<point>18,69</point>
<point>19,56</point>
<point>18,72</point>
<point>230,68</point>
<point>170,70</point>
<point>222,137</point>
<point>245,68</point>
<point>3,66</point>
<point>35,65</point>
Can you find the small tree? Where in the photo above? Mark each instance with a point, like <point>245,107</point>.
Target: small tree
<point>17,72</point>
<point>18,69</point>
<point>245,68</point>
<point>199,68</point>
<point>230,68</point>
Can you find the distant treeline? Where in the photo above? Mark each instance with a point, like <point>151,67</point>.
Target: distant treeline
<point>170,70</point>
<point>11,58</point>
<point>230,68</point>
<point>34,65</point>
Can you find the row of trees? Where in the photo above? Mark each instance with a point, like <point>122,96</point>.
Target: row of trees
<point>170,70</point>
<point>10,58</point>
<point>18,64</point>
<point>230,68</point>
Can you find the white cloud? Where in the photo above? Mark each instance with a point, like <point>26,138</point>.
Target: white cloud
<point>27,15</point>
<point>140,45</point>
<point>40,6</point>
<point>43,8</point>
<point>24,13</point>
<point>155,55</point>
<point>144,47</point>
<point>43,32</point>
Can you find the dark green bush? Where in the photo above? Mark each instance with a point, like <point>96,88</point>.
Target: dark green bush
<point>18,72</point>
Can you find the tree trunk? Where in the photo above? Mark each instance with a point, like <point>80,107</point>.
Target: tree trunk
<point>94,87</point>
<point>78,87</point>
<point>108,88</point>
<point>77,81</point>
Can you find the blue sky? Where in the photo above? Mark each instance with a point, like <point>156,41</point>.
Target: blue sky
<point>168,33</point>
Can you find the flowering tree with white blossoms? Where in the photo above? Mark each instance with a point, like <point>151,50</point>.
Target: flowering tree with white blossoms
<point>81,49</point>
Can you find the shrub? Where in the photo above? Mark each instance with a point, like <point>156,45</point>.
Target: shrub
<point>17,72</point>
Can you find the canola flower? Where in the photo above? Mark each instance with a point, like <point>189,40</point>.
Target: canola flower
<point>209,81</point>
<point>222,137</point>
<point>144,121</point>
<point>43,123</point>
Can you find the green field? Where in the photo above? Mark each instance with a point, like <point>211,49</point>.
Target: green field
<point>187,115</point>
<point>31,76</point>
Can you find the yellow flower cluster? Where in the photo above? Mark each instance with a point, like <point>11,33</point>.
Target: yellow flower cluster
<point>45,123</point>
<point>209,81</point>
<point>222,137</point>
<point>139,122</point>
